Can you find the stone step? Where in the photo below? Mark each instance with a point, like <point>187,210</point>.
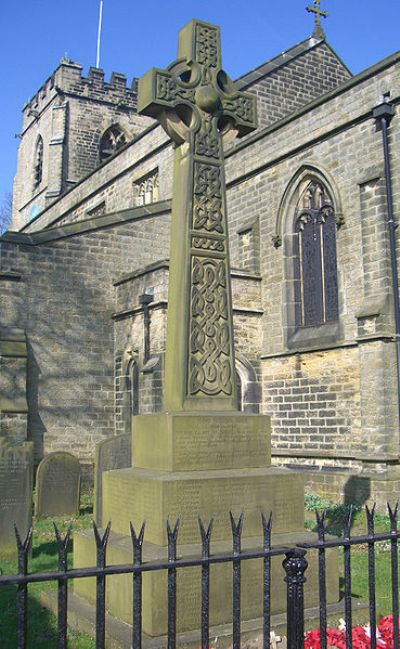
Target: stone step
<point>136,494</point>
<point>184,441</point>
<point>82,618</point>
<point>155,588</point>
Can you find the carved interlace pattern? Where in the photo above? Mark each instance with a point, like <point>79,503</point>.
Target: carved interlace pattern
<point>205,243</point>
<point>168,89</point>
<point>207,50</point>
<point>210,368</point>
<point>207,143</point>
<point>207,213</point>
<point>242,107</point>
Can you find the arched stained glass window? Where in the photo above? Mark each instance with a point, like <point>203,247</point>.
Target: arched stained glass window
<point>315,270</point>
<point>113,139</point>
<point>38,168</point>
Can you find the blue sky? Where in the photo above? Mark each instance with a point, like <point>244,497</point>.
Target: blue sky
<point>137,35</point>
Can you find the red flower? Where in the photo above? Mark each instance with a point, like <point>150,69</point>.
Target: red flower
<point>360,636</point>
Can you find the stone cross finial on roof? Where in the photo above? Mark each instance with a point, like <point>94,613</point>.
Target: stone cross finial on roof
<point>316,9</point>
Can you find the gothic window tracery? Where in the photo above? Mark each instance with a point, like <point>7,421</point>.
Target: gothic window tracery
<point>146,189</point>
<point>315,266</point>
<point>38,168</point>
<point>112,140</point>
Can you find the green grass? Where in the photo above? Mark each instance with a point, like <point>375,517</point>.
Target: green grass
<point>337,516</point>
<point>42,624</point>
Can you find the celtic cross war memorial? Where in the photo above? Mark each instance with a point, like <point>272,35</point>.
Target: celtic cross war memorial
<point>200,457</point>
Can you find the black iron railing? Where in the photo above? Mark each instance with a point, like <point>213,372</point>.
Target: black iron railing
<point>294,563</point>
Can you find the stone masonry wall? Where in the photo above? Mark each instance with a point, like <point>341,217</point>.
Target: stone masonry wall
<point>129,343</point>
<point>65,302</point>
<point>302,74</point>
<point>314,402</point>
<point>349,381</point>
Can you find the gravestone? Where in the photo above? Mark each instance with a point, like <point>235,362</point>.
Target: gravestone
<point>200,457</point>
<point>113,453</point>
<point>58,482</point>
<point>16,484</point>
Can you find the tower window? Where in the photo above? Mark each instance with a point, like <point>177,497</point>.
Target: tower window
<point>315,268</point>
<point>38,168</point>
<point>113,139</point>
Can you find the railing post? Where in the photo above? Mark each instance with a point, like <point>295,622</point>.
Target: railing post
<point>137,545</point>
<point>236,586</point>
<point>62,612</point>
<point>172,543</point>
<point>295,565</point>
<point>22,596</point>
<point>101,547</point>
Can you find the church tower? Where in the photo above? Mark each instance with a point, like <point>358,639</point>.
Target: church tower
<point>71,126</point>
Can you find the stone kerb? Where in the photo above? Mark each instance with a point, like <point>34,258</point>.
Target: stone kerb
<point>16,483</point>
<point>58,482</point>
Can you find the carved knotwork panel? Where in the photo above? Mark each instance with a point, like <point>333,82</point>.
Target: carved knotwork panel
<point>207,50</point>
<point>207,204</point>
<point>168,89</point>
<point>207,141</point>
<point>208,243</point>
<point>210,363</point>
<point>243,108</point>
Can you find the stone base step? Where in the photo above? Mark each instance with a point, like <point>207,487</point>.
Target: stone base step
<point>82,618</point>
<point>137,494</point>
<point>154,599</point>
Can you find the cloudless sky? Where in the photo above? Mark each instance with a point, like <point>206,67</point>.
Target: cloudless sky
<point>137,35</point>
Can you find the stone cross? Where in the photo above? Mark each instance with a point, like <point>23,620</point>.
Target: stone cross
<point>318,31</point>
<point>197,103</point>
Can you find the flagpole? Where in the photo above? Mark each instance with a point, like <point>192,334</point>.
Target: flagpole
<point>99,34</point>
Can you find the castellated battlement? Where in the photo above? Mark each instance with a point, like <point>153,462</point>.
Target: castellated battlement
<point>67,80</point>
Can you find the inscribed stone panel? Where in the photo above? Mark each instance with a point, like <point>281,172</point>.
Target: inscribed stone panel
<point>16,481</point>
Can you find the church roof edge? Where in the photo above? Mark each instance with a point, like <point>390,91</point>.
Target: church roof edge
<point>282,59</point>
<point>388,61</point>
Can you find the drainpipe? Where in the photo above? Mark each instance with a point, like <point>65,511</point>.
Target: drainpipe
<point>383,114</point>
<point>144,300</point>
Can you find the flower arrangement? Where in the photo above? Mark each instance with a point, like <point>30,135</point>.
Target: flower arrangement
<point>361,636</point>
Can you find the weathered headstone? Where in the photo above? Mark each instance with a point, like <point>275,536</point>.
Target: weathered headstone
<point>113,453</point>
<point>16,483</point>
<point>58,482</point>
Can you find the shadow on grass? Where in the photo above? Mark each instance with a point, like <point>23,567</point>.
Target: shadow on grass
<point>42,630</point>
<point>41,625</point>
<point>357,593</point>
<point>49,548</point>
<point>86,510</point>
<point>336,518</point>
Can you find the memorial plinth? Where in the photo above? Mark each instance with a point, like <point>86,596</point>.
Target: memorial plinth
<point>194,465</point>
<point>200,457</point>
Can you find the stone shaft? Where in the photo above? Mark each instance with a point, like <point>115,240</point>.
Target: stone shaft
<point>196,102</point>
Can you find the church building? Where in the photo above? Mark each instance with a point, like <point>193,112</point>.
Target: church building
<point>313,195</point>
